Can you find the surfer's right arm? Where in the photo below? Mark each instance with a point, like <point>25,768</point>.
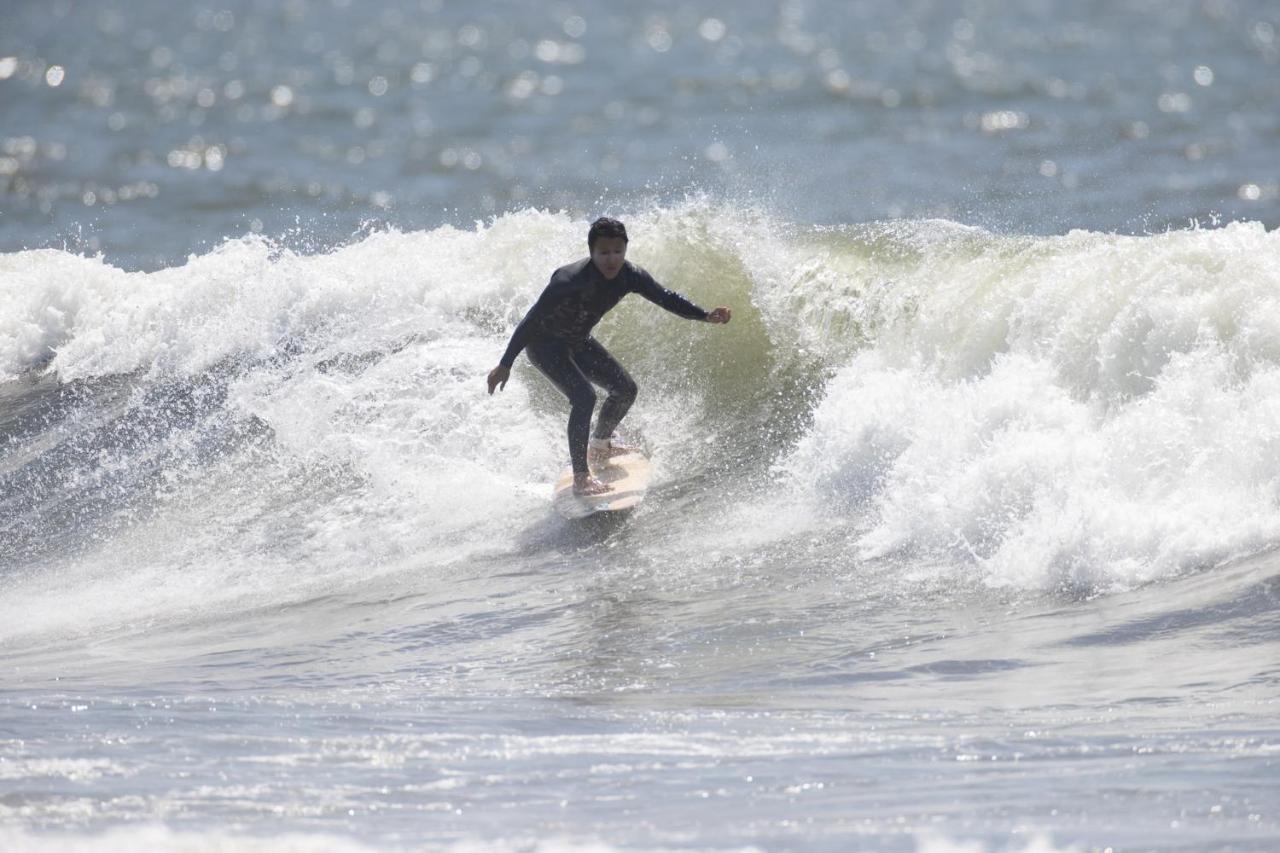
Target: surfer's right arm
<point>519,338</point>
<point>498,377</point>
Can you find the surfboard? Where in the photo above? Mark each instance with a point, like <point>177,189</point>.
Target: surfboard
<point>628,474</point>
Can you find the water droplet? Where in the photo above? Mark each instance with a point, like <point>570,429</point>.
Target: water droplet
<point>547,50</point>
<point>838,80</point>
<point>712,29</point>
<point>1000,120</point>
<point>524,85</point>
<point>659,39</point>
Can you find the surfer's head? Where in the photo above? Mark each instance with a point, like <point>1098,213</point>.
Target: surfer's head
<point>605,227</point>
<point>607,240</point>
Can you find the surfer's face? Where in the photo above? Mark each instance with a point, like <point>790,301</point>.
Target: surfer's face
<point>608,254</point>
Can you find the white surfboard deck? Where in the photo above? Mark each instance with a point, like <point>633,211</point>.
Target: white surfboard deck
<point>628,474</point>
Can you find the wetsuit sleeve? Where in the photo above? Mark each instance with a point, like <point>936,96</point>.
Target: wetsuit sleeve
<point>525,330</point>
<point>647,287</point>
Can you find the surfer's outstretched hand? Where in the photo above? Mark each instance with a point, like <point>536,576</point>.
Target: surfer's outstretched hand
<point>719,315</point>
<point>498,378</point>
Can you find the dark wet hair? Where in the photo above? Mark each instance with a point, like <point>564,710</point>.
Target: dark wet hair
<point>605,227</point>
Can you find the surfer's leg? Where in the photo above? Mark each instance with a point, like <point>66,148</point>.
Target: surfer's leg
<point>553,359</point>
<point>603,369</point>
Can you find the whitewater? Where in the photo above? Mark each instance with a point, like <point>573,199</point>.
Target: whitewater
<point>942,509</point>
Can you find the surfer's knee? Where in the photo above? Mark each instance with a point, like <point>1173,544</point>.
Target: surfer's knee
<point>626,389</point>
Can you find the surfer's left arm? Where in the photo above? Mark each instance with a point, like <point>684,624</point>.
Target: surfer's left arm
<point>649,288</point>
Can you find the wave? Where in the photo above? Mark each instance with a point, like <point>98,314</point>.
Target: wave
<point>1086,411</point>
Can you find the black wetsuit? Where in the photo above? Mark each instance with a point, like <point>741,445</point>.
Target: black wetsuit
<point>556,333</point>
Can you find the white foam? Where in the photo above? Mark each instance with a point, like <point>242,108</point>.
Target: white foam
<point>1037,843</point>
<point>397,455</point>
<point>1086,410</point>
<point>158,837</point>
<point>86,318</point>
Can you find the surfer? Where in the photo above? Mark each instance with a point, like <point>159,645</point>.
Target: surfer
<point>556,335</point>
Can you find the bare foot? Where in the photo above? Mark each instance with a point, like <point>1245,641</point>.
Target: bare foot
<point>600,453</point>
<point>585,484</point>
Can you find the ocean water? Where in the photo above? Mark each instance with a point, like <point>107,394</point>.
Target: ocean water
<point>962,535</point>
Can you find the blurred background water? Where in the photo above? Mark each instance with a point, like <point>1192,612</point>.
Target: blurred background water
<point>148,130</point>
